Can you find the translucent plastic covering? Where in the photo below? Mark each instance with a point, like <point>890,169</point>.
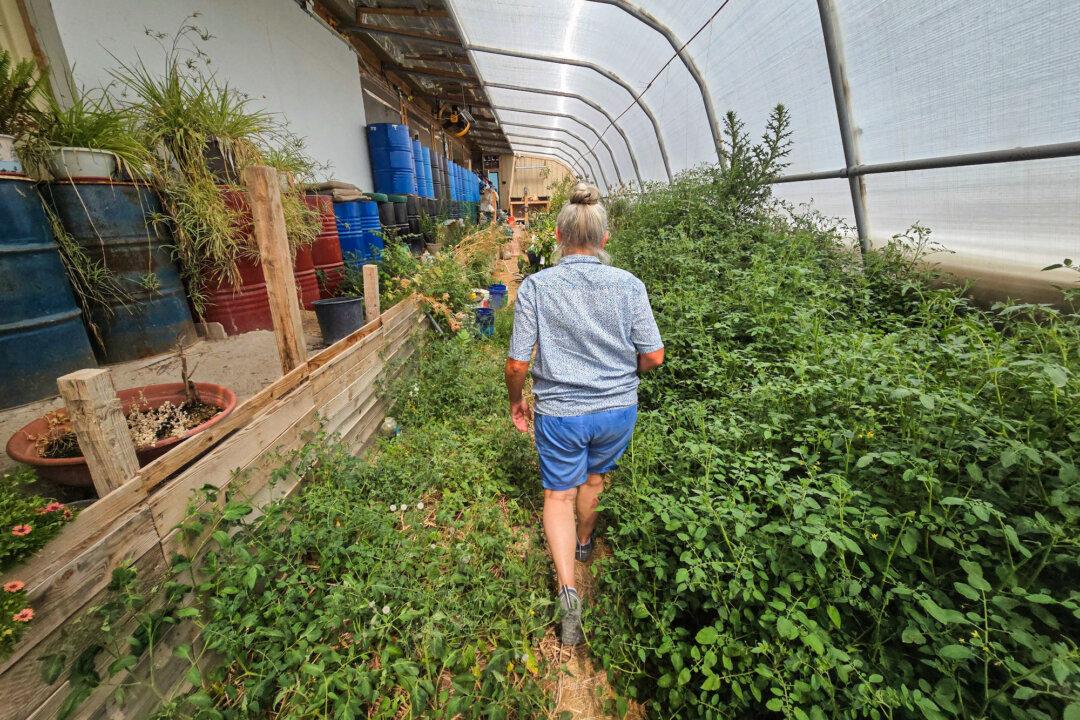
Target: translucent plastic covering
<point>601,84</point>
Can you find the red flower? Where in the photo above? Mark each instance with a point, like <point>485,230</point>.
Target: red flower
<point>21,530</point>
<point>14,586</point>
<point>51,507</point>
<point>67,514</point>
<point>24,616</point>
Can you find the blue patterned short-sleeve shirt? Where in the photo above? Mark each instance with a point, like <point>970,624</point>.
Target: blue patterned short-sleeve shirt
<point>588,322</point>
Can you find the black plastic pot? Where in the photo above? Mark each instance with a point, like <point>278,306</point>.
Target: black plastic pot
<point>338,317</point>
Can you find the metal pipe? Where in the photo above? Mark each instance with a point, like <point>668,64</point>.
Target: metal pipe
<point>597,69</point>
<point>986,157</point>
<point>598,167</point>
<point>834,52</point>
<point>571,134</point>
<point>643,16</point>
<point>579,121</point>
<point>587,101</point>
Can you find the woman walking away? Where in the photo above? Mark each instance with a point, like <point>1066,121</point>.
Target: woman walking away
<point>593,332</point>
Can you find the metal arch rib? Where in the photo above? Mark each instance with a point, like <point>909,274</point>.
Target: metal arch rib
<point>597,69</point>
<point>579,121</point>
<point>556,152</point>
<point>599,165</point>
<point>572,149</point>
<point>595,106</point>
<point>571,134</point>
<point>574,171</point>
<point>645,17</point>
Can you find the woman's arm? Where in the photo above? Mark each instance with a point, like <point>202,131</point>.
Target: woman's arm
<point>650,361</point>
<point>520,412</point>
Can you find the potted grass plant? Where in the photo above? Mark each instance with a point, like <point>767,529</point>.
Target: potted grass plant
<point>21,87</point>
<point>203,133</point>
<point>92,138</point>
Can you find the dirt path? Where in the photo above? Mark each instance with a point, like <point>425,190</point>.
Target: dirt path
<point>581,691</point>
<point>581,688</point>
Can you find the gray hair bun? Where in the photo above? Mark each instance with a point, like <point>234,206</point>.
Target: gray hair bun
<point>584,194</point>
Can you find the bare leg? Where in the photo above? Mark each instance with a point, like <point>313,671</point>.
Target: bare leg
<point>588,497</point>
<point>559,530</point>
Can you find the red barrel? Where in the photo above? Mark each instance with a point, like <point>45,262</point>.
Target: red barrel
<point>307,284</point>
<point>244,307</point>
<point>326,250</point>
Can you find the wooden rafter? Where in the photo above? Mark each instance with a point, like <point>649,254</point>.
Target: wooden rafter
<point>400,11</point>
<point>402,32</point>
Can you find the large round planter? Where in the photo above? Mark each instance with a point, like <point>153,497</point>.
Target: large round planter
<point>9,161</point>
<point>72,163</point>
<point>339,317</point>
<point>74,471</point>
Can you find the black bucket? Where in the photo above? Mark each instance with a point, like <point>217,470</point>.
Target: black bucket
<point>339,317</point>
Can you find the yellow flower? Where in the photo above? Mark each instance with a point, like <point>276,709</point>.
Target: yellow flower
<point>873,536</point>
<point>869,433</point>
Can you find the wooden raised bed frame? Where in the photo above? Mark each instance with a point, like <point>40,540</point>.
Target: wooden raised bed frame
<point>136,516</point>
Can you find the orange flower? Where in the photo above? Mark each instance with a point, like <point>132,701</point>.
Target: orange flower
<point>21,530</point>
<point>14,586</point>
<point>24,616</point>
<point>51,507</point>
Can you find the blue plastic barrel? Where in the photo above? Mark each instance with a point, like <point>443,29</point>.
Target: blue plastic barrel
<point>358,228</point>
<point>485,321</point>
<point>418,163</point>
<point>41,331</point>
<point>392,164</point>
<point>497,295</point>
<point>372,228</point>
<point>429,184</point>
<point>115,223</point>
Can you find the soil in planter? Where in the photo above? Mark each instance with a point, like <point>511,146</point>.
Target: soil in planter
<point>146,427</point>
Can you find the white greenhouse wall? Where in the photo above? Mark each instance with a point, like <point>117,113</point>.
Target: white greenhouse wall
<point>272,50</point>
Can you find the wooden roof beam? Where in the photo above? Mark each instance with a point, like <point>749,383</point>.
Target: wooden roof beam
<point>400,11</point>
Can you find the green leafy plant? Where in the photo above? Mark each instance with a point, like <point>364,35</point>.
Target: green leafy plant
<point>203,133</point>
<point>91,120</point>
<point>21,87</point>
<point>852,493</point>
<point>27,523</point>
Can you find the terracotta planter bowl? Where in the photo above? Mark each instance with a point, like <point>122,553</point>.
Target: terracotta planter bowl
<point>75,472</point>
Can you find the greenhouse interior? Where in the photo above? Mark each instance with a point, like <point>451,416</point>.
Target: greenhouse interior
<point>577,359</point>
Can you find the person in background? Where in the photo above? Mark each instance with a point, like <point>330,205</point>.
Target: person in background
<point>489,203</point>
<point>593,333</point>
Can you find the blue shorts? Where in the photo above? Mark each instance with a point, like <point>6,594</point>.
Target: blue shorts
<point>570,448</point>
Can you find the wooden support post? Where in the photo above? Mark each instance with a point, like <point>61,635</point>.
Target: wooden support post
<point>269,220</point>
<point>371,293</point>
<point>99,423</point>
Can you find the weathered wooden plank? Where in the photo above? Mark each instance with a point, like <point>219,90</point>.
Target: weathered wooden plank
<point>345,402</point>
<point>57,596</point>
<point>250,480</point>
<point>344,364</point>
<point>98,420</point>
<point>343,345</point>
<point>169,503</point>
<point>357,437</point>
<point>268,220</point>
<point>371,292</point>
<point>21,686</point>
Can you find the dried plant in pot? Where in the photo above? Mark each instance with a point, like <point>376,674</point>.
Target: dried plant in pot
<point>159,417</point>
